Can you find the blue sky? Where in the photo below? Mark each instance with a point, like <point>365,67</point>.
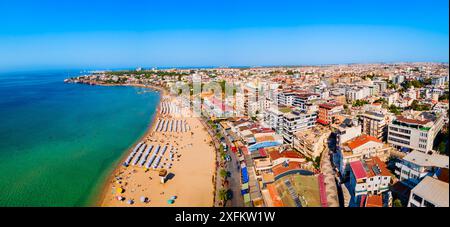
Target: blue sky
<point>115,34</point>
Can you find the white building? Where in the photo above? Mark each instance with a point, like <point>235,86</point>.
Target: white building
<point>347,130</point>
<point>398,79</point>
<point>360,148</point>
<point>356,93</point>
<point>416,165</point>
<point>286,98</point>
<point>430,192</point>
<point>415,130</point>
<point>369,177</point>
<point>273,118</point>
<point>297,121</point>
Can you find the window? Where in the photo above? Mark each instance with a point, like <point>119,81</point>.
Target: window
<point>400,135</point>
<point>398,140</point>
<point>393,129</point>
<point>417,198</point>
<point>404,131</point>
<point>427,204</point>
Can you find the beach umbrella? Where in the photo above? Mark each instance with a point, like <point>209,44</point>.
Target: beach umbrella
<point>170,201</point>
<point>120,198</point>
<point>173,197</point>
<point>143,199</point>
<point>119,190</point>
<point>130,201</point>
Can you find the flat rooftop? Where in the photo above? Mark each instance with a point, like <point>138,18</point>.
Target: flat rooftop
<point>433,190</point>
<point>307,187</point>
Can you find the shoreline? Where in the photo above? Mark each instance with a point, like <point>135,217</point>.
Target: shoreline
<point>202,174</point>
<point>101,195</point>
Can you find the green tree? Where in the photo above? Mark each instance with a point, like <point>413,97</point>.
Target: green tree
<point>394,109</point>
<point>223,173</point>
<point>359,102</point>
<point>397,203</point>
<point>223,195</point>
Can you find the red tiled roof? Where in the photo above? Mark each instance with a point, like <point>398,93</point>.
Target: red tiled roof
<point>361,140</point>
<point>276,200</point>
<point>358,169</point>
<point>381,166</point>
<point>280,168</point>
<point>329,105</point>
<point>262,152</point>
<point>322,121</point>
<point>411,121</point>
<point>374,201</point>
<point>275,154</point>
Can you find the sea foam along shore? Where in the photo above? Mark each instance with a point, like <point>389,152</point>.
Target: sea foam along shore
<point>191,170</point>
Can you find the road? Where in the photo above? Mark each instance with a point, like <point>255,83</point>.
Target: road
<point>233,180</point>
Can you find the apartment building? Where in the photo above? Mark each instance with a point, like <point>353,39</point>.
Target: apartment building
<point>360,148</point>
<point>274,119</point>
<point>356,93</point>
<point>439,81</point>
<point>374,124</point>
<point>286,98</point>
<point>311,142</point>
<point>430,192</point>
<point>417,165</point>
<point>303,100</point>
<point>296,121</point>
<point>368,177</point>
<point>414,130</point>
<point>398,79</point>
<point>327,111</point>
<point>347,130</point>
<point>382,85</point>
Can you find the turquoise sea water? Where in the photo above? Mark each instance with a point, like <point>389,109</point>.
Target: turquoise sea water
<point>59,142</point>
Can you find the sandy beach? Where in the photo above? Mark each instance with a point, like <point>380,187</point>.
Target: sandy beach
<point>189,159</point>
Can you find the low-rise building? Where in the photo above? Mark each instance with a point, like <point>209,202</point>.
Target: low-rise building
<point>430,192</point>
<point>360,148</point>
<point>311,142</point>
<point>368,177</point>
<point>347,130</point>
<point>417,165</point>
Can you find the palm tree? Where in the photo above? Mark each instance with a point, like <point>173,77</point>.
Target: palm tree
<point>223,173</point>
<point>223,195</point>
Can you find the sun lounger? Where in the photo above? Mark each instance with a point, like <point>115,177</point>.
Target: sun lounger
<point>144,157</point>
